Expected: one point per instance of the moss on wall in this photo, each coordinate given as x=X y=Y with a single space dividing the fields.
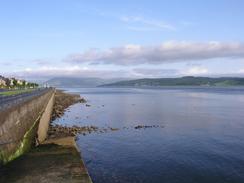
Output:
x=24 y=146
x=19 y=127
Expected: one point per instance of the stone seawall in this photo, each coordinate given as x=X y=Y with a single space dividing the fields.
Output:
x=19 y=124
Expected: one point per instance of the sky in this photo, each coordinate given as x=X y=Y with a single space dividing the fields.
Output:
x=122 y=38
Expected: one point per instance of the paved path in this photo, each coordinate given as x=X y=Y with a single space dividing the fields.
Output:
x=47 y=163
x=7 y=101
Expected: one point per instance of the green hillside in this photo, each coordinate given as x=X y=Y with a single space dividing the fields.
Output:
x=183 y=81
x=72 y=82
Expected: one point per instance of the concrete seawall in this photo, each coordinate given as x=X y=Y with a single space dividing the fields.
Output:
x=53 y=160
x=45 y=120
x=19 y=124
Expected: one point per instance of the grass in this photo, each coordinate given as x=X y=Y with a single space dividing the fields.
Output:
x=15 y=92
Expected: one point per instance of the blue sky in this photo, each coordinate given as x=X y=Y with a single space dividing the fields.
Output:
x=126 y=38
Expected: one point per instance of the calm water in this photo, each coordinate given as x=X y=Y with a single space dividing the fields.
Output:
x=202 y=139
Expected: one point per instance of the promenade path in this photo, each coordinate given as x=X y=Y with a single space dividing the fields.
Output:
x=8 y=101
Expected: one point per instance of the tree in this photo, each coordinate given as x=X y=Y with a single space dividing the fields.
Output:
x=7 y=81
x=15 y=82
x=24 y=84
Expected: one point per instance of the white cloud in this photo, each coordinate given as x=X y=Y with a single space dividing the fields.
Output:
x=143 y=24
x=142 y=28
x=134 y=72
x=187 y=23
x=196 y=71
x=167 y=52
x=69 y=71
x=76 y=71
x=144 y=72
x=241 y=71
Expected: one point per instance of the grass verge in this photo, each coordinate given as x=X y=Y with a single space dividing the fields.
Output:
x=15 y=92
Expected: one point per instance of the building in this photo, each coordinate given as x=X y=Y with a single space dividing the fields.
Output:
x=2 y=81
x=20 y=82
x=11 y=81
x=14 y=83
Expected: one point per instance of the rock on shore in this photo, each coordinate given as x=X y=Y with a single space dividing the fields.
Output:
x=63 y=101
x=57 y=131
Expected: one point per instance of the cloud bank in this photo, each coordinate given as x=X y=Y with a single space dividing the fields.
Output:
x=167 y=52
x=138 y=61
x=140 y=72
x=69 y=71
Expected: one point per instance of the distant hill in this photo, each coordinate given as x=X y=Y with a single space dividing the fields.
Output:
x=72 y=82
x=183 y=81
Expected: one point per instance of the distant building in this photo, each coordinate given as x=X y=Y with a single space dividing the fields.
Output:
x=20 y=82
x=11 y=81
x=2 y=81
x=15 y=83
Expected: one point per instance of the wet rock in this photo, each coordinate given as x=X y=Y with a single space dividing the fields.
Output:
x=62 y=131
x=114 y=129
x=143 y=126
x=82 y=100
x=63 y=101
x=148 y=126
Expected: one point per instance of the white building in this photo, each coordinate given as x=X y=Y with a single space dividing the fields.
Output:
x=2 y=82
x=11 y=81
x=19 y=82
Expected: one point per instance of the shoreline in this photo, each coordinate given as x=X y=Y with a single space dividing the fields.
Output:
x=62 y=102
x=55 y=159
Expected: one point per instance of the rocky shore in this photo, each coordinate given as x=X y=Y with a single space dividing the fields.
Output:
x=64 y=100
x=58 y=131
